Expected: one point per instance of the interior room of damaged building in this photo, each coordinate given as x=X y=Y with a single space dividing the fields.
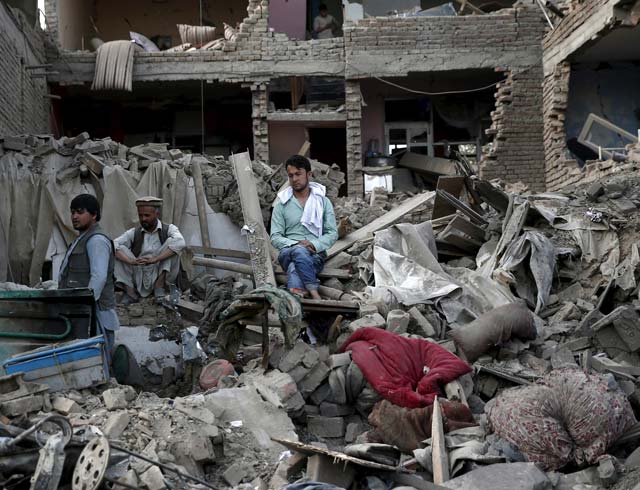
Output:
x=474 y=332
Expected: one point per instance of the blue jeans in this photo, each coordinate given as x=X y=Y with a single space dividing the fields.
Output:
x=301 y=267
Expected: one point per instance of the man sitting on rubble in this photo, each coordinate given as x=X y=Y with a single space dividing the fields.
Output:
x=148 y=255
x=303 y=228
x=89 y=263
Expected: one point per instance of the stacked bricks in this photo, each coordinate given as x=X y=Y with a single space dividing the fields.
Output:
x=561 y=170
x=353 y=106
x=518 y=150
x=24 y=108
x=259 y=102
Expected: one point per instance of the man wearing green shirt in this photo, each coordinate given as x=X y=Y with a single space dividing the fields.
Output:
x=303 y=228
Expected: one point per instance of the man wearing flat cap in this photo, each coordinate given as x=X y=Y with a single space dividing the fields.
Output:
x=147 y=256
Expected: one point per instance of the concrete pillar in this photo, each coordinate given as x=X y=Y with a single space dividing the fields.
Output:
x=259 y=104
x=353 y=106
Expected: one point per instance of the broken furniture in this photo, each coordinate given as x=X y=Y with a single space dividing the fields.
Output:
x=34 y=318
x=73 y=365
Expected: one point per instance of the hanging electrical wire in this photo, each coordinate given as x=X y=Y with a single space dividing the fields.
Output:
x=422 y=92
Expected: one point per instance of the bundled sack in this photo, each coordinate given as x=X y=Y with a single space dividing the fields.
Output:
x=566 y=417
x=196 y=35
x=407 y=428
x=407 y=372
x=493 y=329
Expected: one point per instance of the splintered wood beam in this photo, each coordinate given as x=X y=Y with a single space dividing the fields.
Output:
x=439 y=456
x=259 y=241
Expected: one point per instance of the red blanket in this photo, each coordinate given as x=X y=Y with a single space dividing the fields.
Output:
x=395 y=366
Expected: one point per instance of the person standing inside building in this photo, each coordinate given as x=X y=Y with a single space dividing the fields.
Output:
x=148 y=255
x=89 y=263
x=303 y=228
x=324 y=23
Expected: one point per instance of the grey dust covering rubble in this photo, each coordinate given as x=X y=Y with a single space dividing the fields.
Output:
x=473 y=335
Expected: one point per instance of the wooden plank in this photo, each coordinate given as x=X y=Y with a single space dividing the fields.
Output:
x=220 y=252
x=453 y=185
x=439 y=455
x=259 y=242
x=384 y=221
x=196 y=173
x=246 y=269
x=461 y=242
x=493 y=196
x=466 y=227
x=462 y=207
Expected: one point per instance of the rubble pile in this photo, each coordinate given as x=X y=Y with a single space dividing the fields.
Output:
x=486 y=338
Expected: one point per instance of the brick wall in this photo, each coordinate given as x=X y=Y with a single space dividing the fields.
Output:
x=385 y=46
x=254 y=56
x=353 y=107
x=24 y=109
x=259 y=102
x=518 y=151
x=585 y=18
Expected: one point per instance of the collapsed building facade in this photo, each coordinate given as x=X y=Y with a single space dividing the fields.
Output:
x=386 y=83
x=458 y=296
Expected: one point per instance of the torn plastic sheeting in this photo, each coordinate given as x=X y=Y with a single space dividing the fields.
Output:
x=405 y=263
x=542 y=262
x=596 y=245
x=625 y=272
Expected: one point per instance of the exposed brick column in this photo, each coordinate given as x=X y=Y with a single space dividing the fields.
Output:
x=560 y=168
x=51 y=14
x=259 y=104
x=353 y=106
x=518 y=150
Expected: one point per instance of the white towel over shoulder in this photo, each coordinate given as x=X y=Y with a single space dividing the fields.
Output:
x=313 y=209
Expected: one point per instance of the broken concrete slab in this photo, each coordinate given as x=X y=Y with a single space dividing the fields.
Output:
x=65 y=406
x=301 y=354
x=502 y=476
x=262 y=418
x=423 y=326
x=322 y=468
x=326 y=426
x=278 y=388
x=376 y=320
x=313 y=379
x=21 y=406
x=398 y=321
x=116 y=424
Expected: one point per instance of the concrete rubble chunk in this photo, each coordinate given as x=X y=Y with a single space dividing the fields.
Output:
x=332 y=410
x=376 y=320
x=115 y=399
x=21 y=406
x=323 y=468
x=260 y=417
x=502 y=476
x=301 y=353
x=353 y=430
x=398 y=321
x=423 y=326
x=330 y=427
x=66 y=406
x=235 y=473
x=339 y=360
x=153 y=479
x=313 y=379
x=194 y=407
x=279 y=389
x=116 y=424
